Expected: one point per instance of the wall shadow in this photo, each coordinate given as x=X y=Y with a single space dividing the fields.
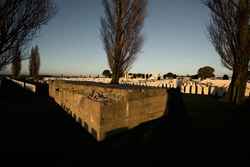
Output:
x=35 y=122
x=219 y=92
x=42 y=89
x=176 y=115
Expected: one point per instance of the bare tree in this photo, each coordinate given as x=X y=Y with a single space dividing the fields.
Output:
x=16 y=64
x=121 y=33
x=34 y=65
x=229 y=32
x=20 y=21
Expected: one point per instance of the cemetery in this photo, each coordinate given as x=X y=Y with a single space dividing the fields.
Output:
x=80 y=87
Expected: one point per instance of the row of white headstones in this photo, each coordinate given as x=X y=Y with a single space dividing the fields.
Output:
x=193 y=87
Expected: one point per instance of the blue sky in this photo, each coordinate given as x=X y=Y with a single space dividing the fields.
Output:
x=175 y=39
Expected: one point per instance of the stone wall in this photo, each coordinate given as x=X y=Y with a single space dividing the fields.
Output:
x=25 y=85
x=105 y=109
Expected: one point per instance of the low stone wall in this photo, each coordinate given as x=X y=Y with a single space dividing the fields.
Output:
x=25 y=85
x=105 y=109
x=39 y=88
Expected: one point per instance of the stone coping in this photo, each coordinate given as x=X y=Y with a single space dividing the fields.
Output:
x=105 y=85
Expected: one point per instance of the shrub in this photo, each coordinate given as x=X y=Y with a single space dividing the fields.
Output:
x=225 y=77
x=106 y=73
x=195 y=76
x=206 y=72
x=170 y=75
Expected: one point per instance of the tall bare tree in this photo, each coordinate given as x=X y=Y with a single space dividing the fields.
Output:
x=229 y=32
x=34 y=65
x=20 y=21
x=121 y=33
x=16 y=64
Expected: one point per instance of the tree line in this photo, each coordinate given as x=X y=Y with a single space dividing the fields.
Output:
x=202 y=73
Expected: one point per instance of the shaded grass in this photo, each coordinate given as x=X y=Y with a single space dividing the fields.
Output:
x=212 y=112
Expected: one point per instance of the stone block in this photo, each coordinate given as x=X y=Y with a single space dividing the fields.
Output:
x=105 y=109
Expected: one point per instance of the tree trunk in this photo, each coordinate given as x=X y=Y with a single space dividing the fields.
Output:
x=237 y=88
x=115 y=77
